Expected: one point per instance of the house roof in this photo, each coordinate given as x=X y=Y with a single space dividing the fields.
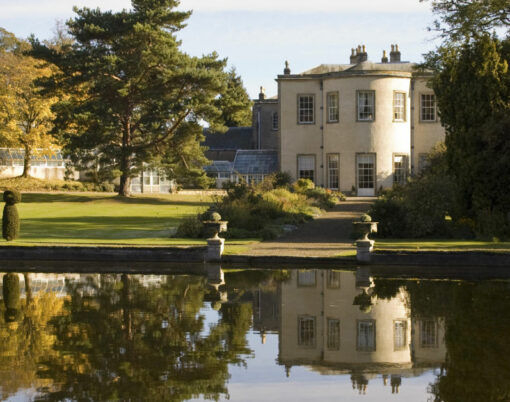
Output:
x=255 y=161
x=234 y=138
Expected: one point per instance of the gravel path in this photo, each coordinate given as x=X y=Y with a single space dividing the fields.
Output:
x=325 y=236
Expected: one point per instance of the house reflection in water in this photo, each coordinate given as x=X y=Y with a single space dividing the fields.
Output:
x=322 y=329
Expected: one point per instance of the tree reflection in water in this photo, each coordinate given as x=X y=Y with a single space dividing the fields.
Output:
x=121 y=340
x=24 y=336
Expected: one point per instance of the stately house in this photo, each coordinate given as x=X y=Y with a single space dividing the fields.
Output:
x=356 y=127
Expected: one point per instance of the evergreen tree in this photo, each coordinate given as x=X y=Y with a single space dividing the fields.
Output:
x=132 y=90
x=472 y=87
x=234 y=102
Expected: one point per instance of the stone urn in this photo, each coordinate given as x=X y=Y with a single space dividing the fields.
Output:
x=214 y=225
x=364 y=227
x=364 y=246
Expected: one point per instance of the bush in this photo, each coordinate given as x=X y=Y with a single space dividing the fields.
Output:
x=323 y=198
x=10 y=217
x=190 y=227
x=302 y=185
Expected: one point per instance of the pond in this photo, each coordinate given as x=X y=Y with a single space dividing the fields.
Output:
x=253 y=335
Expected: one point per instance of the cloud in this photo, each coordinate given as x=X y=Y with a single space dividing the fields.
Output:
x=55 y=8
x=59 y=8
x=371 y=6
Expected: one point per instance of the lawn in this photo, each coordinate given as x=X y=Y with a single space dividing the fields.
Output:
x=98 y=218
x=440 y=245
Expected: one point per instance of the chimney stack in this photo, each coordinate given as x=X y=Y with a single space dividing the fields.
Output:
x=363 y=56
x=358 y=55
x=353 y=59
x=394 y=54
x=262 y=93
x=384 y=58
x=286 y=70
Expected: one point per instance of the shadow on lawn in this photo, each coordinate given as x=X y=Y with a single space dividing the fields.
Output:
x=97 y=227
x=139 y=200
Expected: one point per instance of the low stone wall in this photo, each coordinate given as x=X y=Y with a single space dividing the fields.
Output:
x=114 y=254
x=443 y=258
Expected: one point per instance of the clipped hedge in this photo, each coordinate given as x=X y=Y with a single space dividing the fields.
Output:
x=10 y=217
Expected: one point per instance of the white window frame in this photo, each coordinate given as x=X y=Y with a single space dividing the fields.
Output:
x=399 y=334
x=400 y=173
x=428 y=334
x=428 y=108
x=333 y=339
x=332 y=170
x=307 y=331
x=306 y=163
x=332 y=101
x=366 y=341
x=306 y=109
x=365 y=105
x=399 y=106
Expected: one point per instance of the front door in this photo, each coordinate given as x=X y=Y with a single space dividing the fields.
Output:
x=366 y=175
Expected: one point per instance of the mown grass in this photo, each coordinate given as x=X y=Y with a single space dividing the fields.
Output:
x=441 y=245
x=98 y=218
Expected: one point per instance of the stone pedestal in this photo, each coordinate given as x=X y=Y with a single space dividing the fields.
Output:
x=215 y=247
x=364 y=250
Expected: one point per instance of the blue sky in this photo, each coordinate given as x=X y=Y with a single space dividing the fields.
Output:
x=257 y=36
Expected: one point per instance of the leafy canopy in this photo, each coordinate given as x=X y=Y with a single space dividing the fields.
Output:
x=25 y=113
x=134 y=93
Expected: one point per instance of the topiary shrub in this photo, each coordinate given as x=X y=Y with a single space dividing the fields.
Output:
x=11 y=294
x=10 y=218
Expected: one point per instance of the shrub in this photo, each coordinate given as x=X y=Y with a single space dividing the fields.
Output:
x=418 y=209
x=190 y=227
x=302 y=185
x=323 y=198
x=10 y=217
x=282 y=179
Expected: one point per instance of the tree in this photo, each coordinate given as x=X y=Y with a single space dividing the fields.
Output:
x=133 y=90
x=460 y=19
x=25 y=113
x=234 y=102
x=472 y=86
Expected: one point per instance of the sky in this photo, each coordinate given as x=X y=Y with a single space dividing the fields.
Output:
x=258 y=36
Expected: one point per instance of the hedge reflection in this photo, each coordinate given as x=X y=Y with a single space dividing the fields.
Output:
x=476 y=317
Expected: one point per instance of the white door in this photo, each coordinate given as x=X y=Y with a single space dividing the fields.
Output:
x=366 y=175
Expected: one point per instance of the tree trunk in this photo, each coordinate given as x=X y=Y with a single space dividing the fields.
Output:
x=26 y=162
x=125 y=182
x=125 y=160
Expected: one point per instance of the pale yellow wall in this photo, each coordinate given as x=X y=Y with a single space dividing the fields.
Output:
x=426 y=134
x=383 y=136
x=323 y=303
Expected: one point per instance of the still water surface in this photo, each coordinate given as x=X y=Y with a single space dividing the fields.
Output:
x=255 y=335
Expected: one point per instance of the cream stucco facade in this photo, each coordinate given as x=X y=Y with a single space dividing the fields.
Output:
x=357 y=126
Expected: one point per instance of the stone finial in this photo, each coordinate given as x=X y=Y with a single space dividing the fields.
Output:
x=286 y=70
